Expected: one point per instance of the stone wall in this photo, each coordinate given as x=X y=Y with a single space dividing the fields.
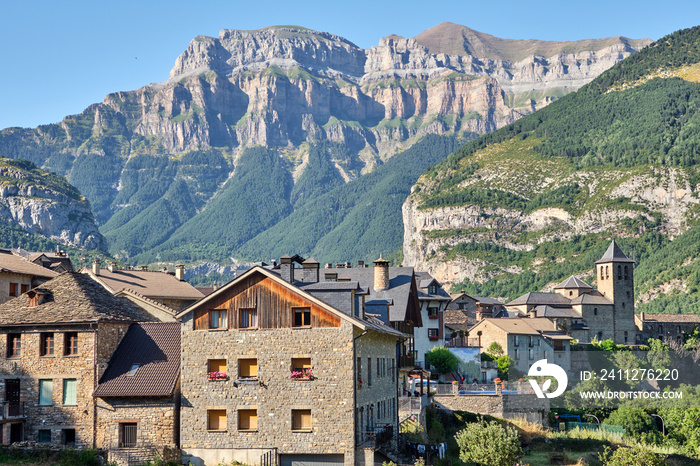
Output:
x=504 y=406
x=274 y=395
x=30 y=368
x=6 y=279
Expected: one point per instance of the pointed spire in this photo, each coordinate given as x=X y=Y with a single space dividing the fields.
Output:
x=614 y=254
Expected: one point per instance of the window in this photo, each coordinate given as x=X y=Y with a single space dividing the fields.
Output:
x=661 y=329
x=600 y=336
x=369 y=372
x=216 y=369
x=24 y=288
x=14 y=345
x=127 y=434
x=302 y=365
x=619 y=272
x=132 y=371
x=44 y=436
x=301 y=419
x=516 y=340
x=678 y=329
x=433 y=312
x=247 y=368
x=595 y=311
x=70 y=344
x=68 y=437
x=379 y=367
x=625 y=336
x=432 y=289
x=216 y=419
x=247 y=419
x=45 y=392
x=531 y=341
x=607 y=272
x=46 y=344
x=218 y=318
x=531 y=354
x=248 y=318
x=601 y=273
x=70 y=392
x=516 y=353
x=359 y=370
x=13 y=289
x=626 y=273
x=432 y=334
x=302 y=317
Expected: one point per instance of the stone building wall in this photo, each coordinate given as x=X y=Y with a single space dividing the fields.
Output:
x=6 y=279
x=504 y=406
x=30 y=368
x=274 y=395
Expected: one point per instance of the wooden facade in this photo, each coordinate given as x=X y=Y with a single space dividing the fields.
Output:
x=275 y=305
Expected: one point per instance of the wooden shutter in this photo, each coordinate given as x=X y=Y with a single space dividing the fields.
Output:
x=201 y=319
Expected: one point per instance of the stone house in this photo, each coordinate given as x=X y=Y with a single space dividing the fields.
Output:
x=526 y=340
x=666 y=327
x=585 y=313
x=433 y=300
x=18 y=275
x=463 y=312
x=55 y=340
x=138 y=396
x=57 y=261
x=163 y=287
x=271 y=371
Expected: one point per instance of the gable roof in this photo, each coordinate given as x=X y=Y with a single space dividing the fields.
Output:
x=51 y=260
x=548 y=311
x=521 y=326
x=12 y=263
x=71 y=298
x=424 y=280
x=362 y=324
x=147 y=283
x=155 y=347
x=573 y=283
x=593 y=297
x=614 y=254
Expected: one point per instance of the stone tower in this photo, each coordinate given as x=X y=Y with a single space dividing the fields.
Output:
x=615 y=276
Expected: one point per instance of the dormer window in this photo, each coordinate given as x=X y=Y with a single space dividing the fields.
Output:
x=432 y=289
x=132 y=371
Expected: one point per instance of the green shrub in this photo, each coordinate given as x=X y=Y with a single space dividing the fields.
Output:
x=490 y=444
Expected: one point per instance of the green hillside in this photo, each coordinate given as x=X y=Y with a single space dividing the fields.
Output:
x=620 y=158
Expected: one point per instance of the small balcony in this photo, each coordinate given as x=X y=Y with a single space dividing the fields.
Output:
x=9 y=410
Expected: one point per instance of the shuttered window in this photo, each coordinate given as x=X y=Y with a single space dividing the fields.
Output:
x=247 y=368
x=70 y=392
x=216 y=419
x=248 y=419
x=45 y=392
x=301 y=419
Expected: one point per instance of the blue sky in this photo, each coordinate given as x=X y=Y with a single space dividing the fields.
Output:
x=59 y=57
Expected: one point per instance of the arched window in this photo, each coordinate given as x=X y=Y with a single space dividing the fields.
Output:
x=595 y=311
x=607 y=272
x=626 y=273
x=601 y=273
x=619 y=272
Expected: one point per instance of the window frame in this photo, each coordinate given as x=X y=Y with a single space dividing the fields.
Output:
x=39 y=435
x=221 y=321
x=433 y=334
x=240 y=367
x=14 y=345
x=213 y=364
x=249 y=312
x=123 y=434
x=218 y=413
x=70 y=344
x=249 y=414
x=66 y=400
x=47 y=350
x=305 y=311
x=43 y=383
x=298 y=418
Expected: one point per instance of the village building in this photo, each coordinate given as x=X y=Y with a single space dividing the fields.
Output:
x=525 y=341
x=166 y=288
x=464 y=311
x=57 y=261
x=138 y=396
x=666 y=327
x=18 y=275
x=587 y=314
x=271 y=373
x=433 y=300
x=56 y=339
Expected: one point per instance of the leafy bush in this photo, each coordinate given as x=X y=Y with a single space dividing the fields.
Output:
x=490 y=444
x=442 y=360
x=638 y=424
x=635 y=456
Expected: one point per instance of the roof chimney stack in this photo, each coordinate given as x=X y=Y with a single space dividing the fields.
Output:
x=287 y=269
x=111 y=266
x=381 y=274
x=310 y=273
x=96 y=267
x=180 y=272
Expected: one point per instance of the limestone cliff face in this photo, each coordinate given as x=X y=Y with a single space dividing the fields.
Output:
x=26 y=201
x=282 y=86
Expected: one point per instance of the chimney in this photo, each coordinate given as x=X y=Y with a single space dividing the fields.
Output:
x=96 y=267
x=111 y=266
x=287 y=268
x=360 y=264
x=180 y=272
x=329 y=265
x=381 y=274
x=142 y=268
x=348 y=265
x=310 y=273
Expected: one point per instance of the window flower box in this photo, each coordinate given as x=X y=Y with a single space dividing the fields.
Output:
x=302 y=374
x=433 y=337
x=433 y=316
x=217 y=376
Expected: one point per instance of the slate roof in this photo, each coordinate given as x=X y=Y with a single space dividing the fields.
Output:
x=155 y=346
x=573 y=283
x=670 y=318
x=147 y=283
x=540 y=298
x=399 y=291
x=548 y=311
x=329 y=285
x=51 y=260
x=12 y=263
x=522 y=326
x=424 y=280
x=71 y=298
x=487 y=301
x=614 y=254
x=593 y=297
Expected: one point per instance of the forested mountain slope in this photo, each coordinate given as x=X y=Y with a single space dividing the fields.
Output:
x=523 y=207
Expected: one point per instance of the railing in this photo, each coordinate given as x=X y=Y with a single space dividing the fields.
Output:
x=11 y=409
x=412 y=404
x=269 y=458
x=445 y=388
x=407 y=361
x=462 y=342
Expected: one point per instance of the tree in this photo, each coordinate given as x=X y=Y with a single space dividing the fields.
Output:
x=491 y=444
x=495 y=350
x=442 y=360
x=638 y=424
x=503 y=364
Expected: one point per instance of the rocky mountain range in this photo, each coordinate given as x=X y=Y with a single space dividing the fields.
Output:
x=523 y=207
x=173 y=160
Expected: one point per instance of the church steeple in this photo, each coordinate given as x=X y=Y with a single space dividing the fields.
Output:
x=615 y=277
